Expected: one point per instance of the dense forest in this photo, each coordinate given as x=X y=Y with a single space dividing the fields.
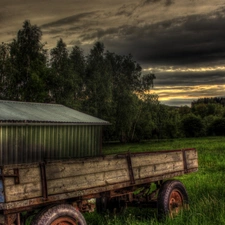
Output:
x=102 y=84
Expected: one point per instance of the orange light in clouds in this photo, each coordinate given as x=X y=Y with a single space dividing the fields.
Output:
x=188 y=92
x=172 y=69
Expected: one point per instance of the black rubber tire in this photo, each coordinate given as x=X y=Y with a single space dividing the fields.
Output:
x=172 y=198
x=49 y=215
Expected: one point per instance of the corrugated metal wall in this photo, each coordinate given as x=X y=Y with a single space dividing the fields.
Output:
x=33 y=143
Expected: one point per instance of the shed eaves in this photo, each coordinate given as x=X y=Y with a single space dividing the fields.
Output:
x=13 y=111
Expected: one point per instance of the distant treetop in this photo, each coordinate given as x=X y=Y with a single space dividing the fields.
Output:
x=217 y=100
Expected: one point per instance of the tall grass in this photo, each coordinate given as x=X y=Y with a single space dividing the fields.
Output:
x=206 y=188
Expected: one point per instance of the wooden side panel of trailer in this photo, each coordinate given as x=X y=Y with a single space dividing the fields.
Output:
x=65 y=177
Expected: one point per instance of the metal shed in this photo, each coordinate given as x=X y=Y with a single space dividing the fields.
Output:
x=33 y=132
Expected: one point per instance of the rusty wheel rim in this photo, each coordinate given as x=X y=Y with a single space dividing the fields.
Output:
x=65 y=221
x=175 y=202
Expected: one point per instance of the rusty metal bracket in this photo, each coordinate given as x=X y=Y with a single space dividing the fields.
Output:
x=184 y=161
x=43 y=181
x=15 y=175
x=129 y=163
x=130 y=168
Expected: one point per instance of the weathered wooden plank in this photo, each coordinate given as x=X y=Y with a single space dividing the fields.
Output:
x=23 y=191
x=191 y=154
x=87 y=181
x=26 y=175
x=157 y=158
x=192 y=163
x=64 y=169
x=20 y=166
x=29 y=182
x=157 y=169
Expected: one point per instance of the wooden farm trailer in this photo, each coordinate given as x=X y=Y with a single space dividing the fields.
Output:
x=57 y=190
x=62 y=187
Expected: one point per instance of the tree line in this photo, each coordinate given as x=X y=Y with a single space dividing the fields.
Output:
x=103 y=84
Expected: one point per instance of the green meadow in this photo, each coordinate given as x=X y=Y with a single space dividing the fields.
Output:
x=205 y=188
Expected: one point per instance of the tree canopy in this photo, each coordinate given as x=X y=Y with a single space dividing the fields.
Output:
x=103 y=84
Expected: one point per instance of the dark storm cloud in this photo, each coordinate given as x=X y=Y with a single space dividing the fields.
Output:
x=99 y=34
x=166 y=2
x=190 y=78
x=129 y=9
x=126 y=10
x=69 y=20
x=186 y=40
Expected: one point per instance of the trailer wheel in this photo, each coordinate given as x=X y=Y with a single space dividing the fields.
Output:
x=59 y=214
x=172 y=198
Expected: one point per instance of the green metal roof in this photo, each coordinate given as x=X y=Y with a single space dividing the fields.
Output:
x=27 y=112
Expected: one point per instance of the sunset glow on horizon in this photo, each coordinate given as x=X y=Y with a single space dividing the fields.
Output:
x=172 y=69
x=187 y=93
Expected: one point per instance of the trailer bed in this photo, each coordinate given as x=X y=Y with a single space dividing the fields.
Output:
x=27 y=185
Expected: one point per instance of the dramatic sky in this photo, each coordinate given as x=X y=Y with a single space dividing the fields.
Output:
x=181 y=41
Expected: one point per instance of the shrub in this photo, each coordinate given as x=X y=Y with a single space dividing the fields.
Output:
x=218 y=126
x=192 y=126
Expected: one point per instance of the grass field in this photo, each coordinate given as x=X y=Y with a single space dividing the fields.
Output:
x=205 y=188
